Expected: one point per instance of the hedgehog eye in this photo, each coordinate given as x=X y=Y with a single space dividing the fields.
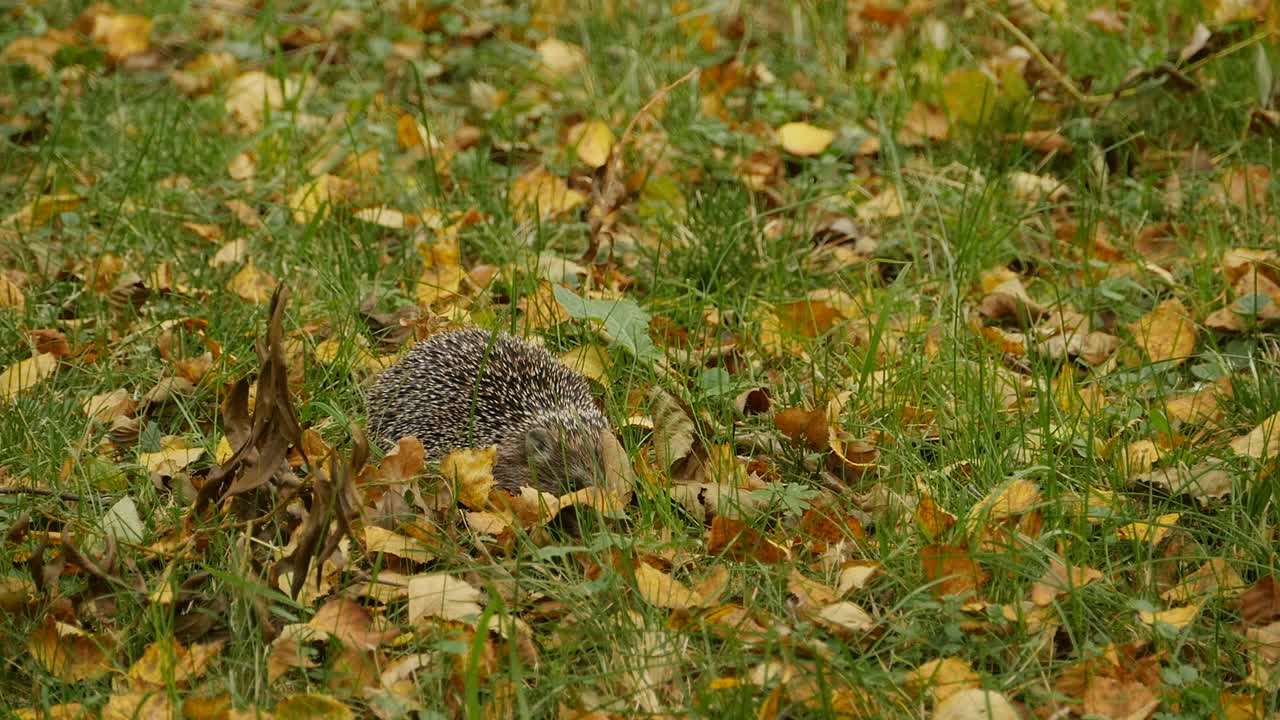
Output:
x=541 y=443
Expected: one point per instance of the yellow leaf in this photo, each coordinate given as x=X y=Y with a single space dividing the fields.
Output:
x=26 y=373
x=558 y=59
x=540 y=193
x=592 y=141
x=1166 y=333
x=11 y=295
x=661 y=590
x=844 y=617
x=970 y=96
x=313 y=199
x=888 y=204
x=442 y=271
x=803 y=139
x=472 y=472
x=1178 y=617
x=379 y=540
x=121 y=36
x=1151 y=533
x=1262 y=441
x=174 y=455
x=590 y=360
x=975 y=704
x=40 y=210
x=253 y=94
x=442 y=596
x=944 y=677
x=1011 y=498
x=252 y=284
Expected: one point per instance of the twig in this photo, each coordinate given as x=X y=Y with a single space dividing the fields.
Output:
x=608 y=192
x=69 y=497
x=1059 y=76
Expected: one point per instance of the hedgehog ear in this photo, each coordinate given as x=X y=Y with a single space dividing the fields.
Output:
x=541 y=443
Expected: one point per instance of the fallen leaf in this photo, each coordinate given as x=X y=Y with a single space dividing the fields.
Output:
x=106 y=407
x=540 y=194
x=11 y=295
x=951 y=570
x=803 y=139
x=559 y=59
x=1260 y=604
x=380 y=540
x=1261 y=442
x=69 y=653
x=442 y=596
x=252 y=284
x=661 y=590
x=734 y=539
x=844 y=618
x=174 y=455
x=943 y=677
x=471 y=471
x=1150 y=533
x=1060 y=579
x=25 y=374
x=592 y=141
x=975 y=704
x=121 y=36
x=1178 y=618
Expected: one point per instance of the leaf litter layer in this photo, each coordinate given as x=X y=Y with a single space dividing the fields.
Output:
x=939 y=340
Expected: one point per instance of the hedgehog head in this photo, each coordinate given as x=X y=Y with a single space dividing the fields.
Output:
x=553 y=454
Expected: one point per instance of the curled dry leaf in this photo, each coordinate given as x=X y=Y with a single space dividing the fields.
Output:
x=1260 y=604
x=251 y=95
x=471 y=472
x=312 y=201
x=119 y=36
x=674 y=434
x=844 y=618
x=1009 y=499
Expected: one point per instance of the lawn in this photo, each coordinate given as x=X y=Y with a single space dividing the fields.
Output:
x=939 y=338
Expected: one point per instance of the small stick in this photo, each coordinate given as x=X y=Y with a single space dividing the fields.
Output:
x=69 y=497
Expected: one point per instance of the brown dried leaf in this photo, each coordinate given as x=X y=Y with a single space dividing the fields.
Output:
x=951 y=571
x=1167 y=333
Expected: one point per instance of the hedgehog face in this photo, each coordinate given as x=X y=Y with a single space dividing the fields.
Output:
x=550 y=459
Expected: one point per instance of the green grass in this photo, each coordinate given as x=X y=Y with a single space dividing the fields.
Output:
x=698 y=241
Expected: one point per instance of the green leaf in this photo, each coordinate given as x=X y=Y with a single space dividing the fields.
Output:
x=625 y=322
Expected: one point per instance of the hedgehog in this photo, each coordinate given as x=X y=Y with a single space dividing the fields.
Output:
x=475 y=388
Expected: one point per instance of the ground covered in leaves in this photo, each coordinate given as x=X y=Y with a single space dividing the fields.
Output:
x=939 y=339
